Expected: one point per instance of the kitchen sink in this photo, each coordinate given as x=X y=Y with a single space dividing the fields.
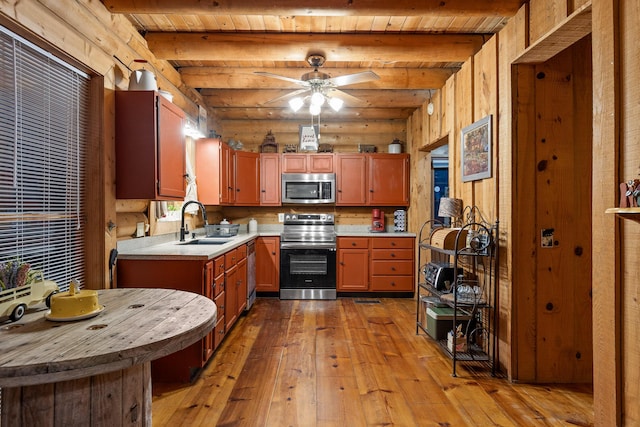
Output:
x=206 y=241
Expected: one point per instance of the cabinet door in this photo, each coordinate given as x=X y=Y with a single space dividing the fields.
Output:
x=351 y=187
x=171 y=150
x=241 y=287
x=231 y=296
x=208 y=170
x=268 y=264
x=388 y=179
x=270 y=180
x=227 y=186
x=320 y=163
x=353 y=274
x=247 y=178
x=294 y=163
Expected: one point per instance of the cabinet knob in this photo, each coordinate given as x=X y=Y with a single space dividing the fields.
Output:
x=339 y=191
x=341 y=263
x=353 y=243
x=393 y=243
x=393 y=269
x=371 y=190
x=393 y=255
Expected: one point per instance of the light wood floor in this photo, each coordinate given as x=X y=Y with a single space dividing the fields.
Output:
x=352 y=362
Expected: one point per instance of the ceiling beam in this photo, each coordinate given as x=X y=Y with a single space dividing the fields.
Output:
x=369 y=98
x=319 y=8
x=383 y=47
x=242 y=78
x=285 y=113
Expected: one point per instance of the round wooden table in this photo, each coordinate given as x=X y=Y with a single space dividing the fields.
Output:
x=96 y=371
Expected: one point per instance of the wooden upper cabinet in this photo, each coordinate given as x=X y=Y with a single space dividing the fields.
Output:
x=247 y=178
x=270 y=182
x=307 y=163
x=388 y=179
x=226 y=176
x=150 y=147
x=213 y=164
x=351 y=179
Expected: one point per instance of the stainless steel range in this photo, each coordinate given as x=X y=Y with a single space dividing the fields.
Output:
x=308 y=257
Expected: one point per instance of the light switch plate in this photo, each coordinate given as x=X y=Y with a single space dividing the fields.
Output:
x=140 y=229
x=281 y=217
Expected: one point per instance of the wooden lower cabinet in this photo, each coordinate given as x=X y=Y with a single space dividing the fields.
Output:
x=376 y=264
x=353 y=264
x=392 y=260
x=268 y=264
x=223 y=279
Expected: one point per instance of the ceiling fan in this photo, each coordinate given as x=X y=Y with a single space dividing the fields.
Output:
x=321 y=86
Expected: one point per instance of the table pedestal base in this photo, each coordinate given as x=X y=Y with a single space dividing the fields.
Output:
x=120 y=398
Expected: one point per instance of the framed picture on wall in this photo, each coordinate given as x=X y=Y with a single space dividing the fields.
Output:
x=476 y=150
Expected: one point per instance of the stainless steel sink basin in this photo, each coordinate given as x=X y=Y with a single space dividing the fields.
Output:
x=206 y=241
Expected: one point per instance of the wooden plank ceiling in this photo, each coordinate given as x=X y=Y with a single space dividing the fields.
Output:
x=217 y=46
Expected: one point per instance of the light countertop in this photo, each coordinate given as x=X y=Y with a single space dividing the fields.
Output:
x=168 y=247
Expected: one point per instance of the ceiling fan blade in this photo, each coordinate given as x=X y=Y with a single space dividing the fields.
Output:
x=350 y=79
x=277 y=76
x=287 y=96
x=347 y=98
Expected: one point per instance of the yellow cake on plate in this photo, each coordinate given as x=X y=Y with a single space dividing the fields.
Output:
x=75 y=303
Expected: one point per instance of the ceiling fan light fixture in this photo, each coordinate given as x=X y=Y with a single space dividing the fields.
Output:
x=314 y=109
x=296 y=104
x=336 y=104
x=317 y=99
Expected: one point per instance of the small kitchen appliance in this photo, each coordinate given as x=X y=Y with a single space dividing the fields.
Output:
x=377 y=220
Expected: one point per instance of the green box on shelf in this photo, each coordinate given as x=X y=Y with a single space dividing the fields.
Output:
x=440 y=321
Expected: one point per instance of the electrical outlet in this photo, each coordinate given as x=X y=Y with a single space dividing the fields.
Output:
x=281 y=217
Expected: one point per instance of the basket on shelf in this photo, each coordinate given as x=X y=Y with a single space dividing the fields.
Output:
x=222 y=230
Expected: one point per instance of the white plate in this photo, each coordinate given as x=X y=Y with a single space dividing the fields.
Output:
x=71 y=319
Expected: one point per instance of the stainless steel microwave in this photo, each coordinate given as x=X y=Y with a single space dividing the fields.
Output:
x=308 y=188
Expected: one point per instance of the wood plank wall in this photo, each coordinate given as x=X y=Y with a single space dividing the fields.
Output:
x=629 y=167
x=483 y=86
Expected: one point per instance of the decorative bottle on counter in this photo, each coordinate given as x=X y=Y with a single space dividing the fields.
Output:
x=253 y=226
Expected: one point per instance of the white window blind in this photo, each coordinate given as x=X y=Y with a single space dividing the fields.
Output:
x=44 y=110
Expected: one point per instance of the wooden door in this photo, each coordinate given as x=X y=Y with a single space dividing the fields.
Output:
x=247 y=178
x=270 y=181
x=351 y=179
x=388 y=179
x=268 y=264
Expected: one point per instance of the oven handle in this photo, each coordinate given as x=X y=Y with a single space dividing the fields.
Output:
x=299 y=245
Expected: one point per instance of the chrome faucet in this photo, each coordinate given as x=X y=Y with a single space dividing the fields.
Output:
x=183 y=232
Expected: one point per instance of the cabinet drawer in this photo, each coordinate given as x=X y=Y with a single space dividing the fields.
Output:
x=392 y=254
x=390 y=268
x=241 y=252
x=391 y=283
x=353 y=243
x=219 y=300
x=392 y=242
x=218 y=266
x=230 y=259
x=218 y=286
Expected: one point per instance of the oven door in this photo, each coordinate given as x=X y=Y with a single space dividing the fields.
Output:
x=308 y=273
